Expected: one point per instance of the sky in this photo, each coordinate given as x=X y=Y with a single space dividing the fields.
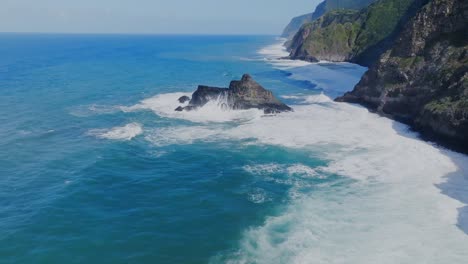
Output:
x=151 y=16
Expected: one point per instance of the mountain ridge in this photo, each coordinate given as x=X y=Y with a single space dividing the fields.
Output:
x=327 y=5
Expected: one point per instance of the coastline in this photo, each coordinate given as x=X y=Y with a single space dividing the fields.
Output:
x=424 y=134
x=453 y=184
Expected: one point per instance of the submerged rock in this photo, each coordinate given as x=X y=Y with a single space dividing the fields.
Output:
x=184 y=99
x=241 y=95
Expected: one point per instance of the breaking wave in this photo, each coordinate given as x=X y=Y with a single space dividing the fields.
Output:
x=126 y=132
x=214 y=111
x=390 y=210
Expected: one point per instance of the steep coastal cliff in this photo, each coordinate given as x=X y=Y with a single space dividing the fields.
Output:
x=327 y=5
x=423 y=79
x=417 y=51
x=296 y=23
x=355 y=36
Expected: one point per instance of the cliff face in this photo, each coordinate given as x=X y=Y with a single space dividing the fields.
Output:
x=423 y=79
x=327 y=5
x=297 y=22
x=355 y=36
x=331 y=37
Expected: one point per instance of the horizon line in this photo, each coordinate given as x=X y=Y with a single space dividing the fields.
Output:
x=138 y=33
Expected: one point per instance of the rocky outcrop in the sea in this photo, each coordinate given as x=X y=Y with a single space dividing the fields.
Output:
x=354 y=36
x=184 y=99
x=241 y=95
x=423 y=79
x=327 y=5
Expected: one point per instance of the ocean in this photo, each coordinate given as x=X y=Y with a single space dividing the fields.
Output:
x=97 y=167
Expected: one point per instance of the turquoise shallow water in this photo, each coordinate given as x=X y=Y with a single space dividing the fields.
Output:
x=90 y=172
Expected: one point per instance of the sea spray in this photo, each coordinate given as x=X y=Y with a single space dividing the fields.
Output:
x=126 y=132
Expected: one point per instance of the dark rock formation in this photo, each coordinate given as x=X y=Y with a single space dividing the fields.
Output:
x=243 y=94
x=184 y=99
x=423 y=79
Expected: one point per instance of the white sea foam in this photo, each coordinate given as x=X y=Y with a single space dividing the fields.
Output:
x=182 y=135
x=393 y=213
x=261 y=169
x=164 y=105
x=302 y=170
x=258 y=196
x=276 y=53
x=126 y=132
x=310 y=99
x=275 y=168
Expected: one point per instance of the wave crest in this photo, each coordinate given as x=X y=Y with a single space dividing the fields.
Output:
x=127 y=132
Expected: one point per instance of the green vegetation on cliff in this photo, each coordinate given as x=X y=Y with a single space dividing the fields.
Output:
x=423 y=78
x=333 y=36
x=348 y=35
x=326 y=6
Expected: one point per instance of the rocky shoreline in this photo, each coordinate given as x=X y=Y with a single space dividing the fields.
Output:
x=420 y=79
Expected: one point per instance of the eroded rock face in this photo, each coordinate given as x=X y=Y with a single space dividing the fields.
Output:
x=423 y=79
x=241 y=95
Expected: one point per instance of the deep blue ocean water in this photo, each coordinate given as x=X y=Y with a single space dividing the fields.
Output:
x=89 y=173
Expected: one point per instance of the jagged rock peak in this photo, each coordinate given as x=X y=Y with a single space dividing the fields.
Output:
x=242 y=94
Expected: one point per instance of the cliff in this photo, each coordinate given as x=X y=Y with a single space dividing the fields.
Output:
x=422 y=79
x=327 y=5
x=296 y=23
x=354 y=36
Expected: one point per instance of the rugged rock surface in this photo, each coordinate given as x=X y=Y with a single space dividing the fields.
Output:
x=423 y=79
x=354 y=36
x=327 y=5
x=243 y=94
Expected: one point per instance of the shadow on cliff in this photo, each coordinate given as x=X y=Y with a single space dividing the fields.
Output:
x=372 y=54
x=455 y=185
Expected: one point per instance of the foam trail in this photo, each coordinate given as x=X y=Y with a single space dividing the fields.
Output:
x=94 y=109
x=183 y=135
x=126 y=132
